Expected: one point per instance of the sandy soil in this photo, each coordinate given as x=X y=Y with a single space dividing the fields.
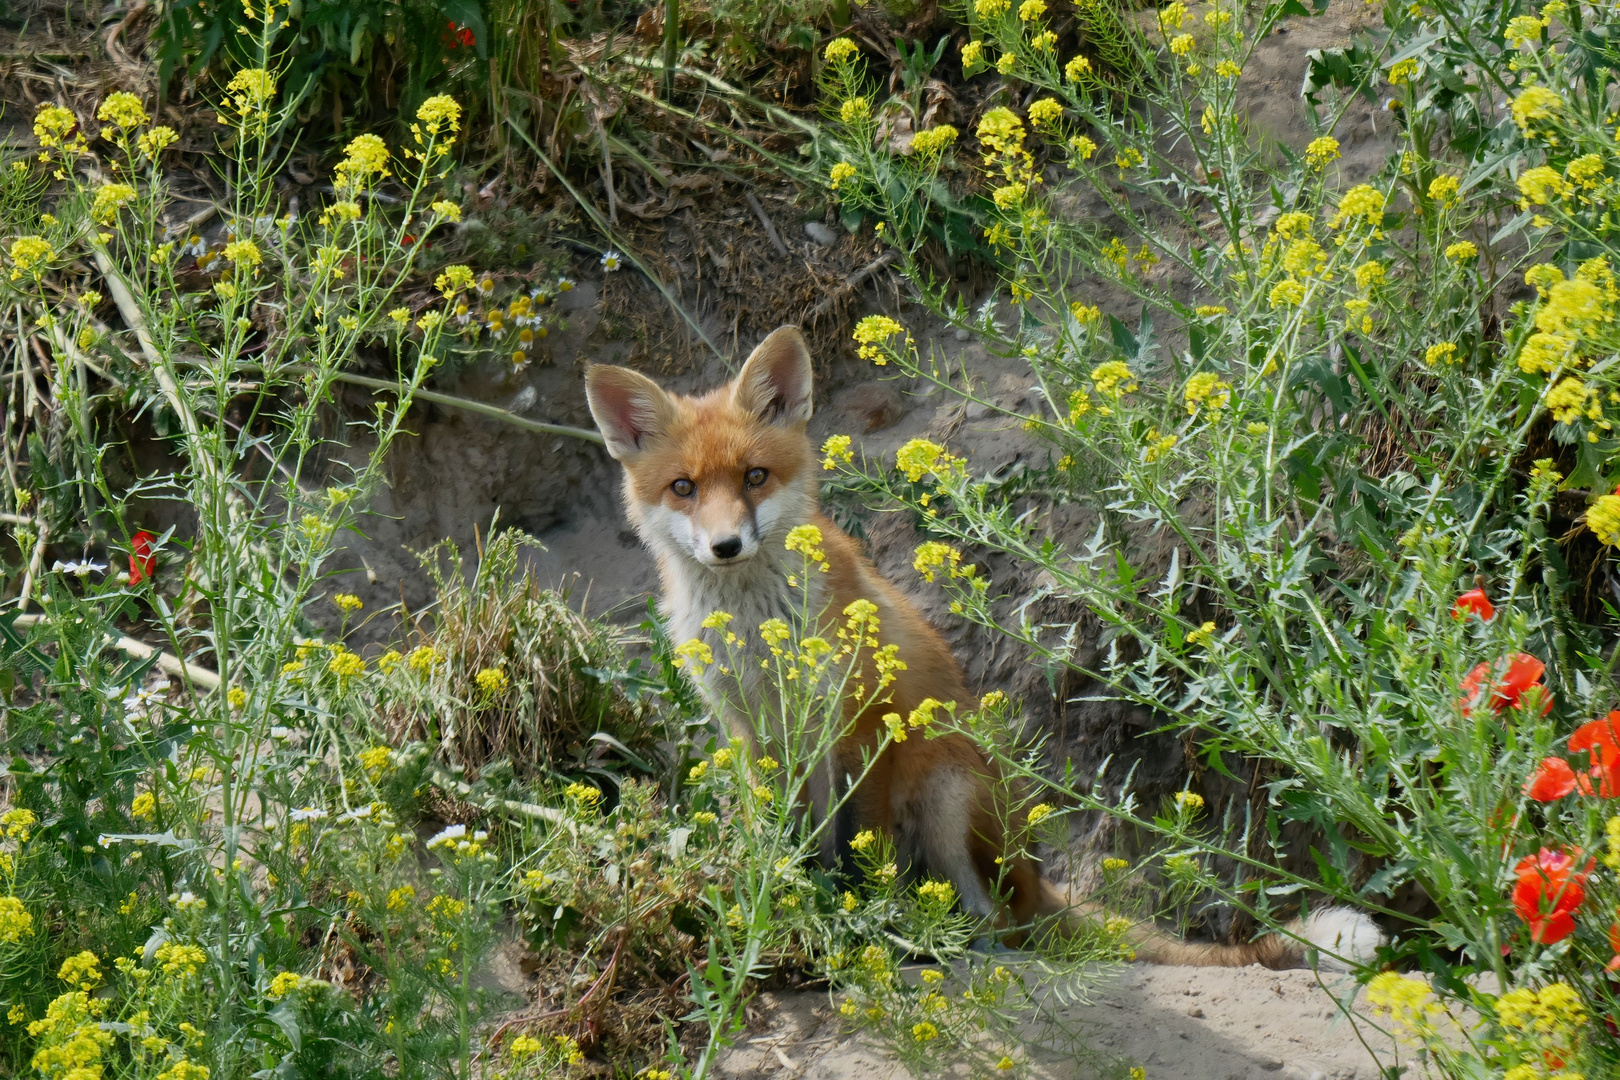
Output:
x=1176 y=1023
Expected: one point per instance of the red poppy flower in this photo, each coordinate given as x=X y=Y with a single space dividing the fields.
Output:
x=1600 y=739
x=1549 y=890
x=1614 y=946
x=459 y=36
x=407 y=239
x=1507 y=692
x=1473 y=601
x=142 y=563
x=1552 y=780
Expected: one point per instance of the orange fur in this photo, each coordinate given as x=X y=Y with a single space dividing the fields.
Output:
x=937 y=798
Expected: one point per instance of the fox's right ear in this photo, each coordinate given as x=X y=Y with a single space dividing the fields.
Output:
x=628 y=407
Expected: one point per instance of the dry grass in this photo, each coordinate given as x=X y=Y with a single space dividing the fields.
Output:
x=499 y=618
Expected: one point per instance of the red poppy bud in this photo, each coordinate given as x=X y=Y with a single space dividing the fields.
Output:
x=142 y=562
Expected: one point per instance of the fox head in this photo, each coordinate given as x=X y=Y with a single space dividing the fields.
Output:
x=714 y=479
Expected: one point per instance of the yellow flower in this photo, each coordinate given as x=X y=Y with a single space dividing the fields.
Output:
x=1463 y=251
x=941 y=893
x=1569 y=399
x=15 y=921
x=919 y=457
x=454 y=279
x=1226 y=69
x=440 y=113
x=836 y=451
x=1534 y=103
x=1030 y=10
x=1444 y=351
x=180 y=959
x=345 y=664
x=1444 y=190
x=866 y=837
x=1286 y=293
x=1362 y=202
x=1115 y=865
x=873 y=330
x=1190 y=801
x=110 y=198
x=989 y=9
x=924 y=1032
x=1155 y=445
x=348 y=602
x=1007 y=63
x=244 y=254
x=491 y=680
x=52 y=125
x=584 y=795
x=1045 y=112
x=424 y=658
x=1201 y=636
x=144 y=806
x=933 y=556
x=1541 y=185
x=972 y=56
x=1113 y=379
x=1075 y=68
x=842 y=171
x=855 y=110
x=1570 y=305
x=1322 y=151
x=122 y=109
x=694 y=654
x=839 y=50
x=366 y=158
x=446 y=209
x=1181 y=44
x=82 y=970
x=806 y=540
x=1524 y=31
x=1039 y=813
x=1173 y=16
x=1603 y=518
x=1403 y=71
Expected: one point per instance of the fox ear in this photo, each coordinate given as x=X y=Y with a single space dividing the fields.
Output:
x=774 y=384
x=628 y=407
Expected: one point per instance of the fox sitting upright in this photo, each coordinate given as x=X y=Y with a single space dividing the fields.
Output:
x=713 y=485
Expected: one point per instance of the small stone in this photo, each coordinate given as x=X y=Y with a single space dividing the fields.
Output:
x=977 y=410
x=961 y=334
x=1270 y=1064
x=820 y=233
x=1196 y=1012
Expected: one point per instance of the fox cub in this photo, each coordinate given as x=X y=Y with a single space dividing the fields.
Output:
x=713 y=485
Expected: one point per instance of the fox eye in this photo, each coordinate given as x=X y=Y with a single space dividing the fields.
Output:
x=755 y=476
x=683 y=487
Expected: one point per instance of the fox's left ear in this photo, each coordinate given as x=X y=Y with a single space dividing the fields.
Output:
x=774 y=384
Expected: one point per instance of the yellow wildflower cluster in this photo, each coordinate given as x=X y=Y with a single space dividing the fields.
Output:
x=932 y=557
x=365 y=160
x=1534 y=104
x=57 y=128
x=1206 y=390
x=1113 y=379
x=29 y=254
x=1361 y=204
x=1406 y=1002
x=836 y=451
x=491 y=680
x=871 y=332
x=934 y=140
x=921 y=457
x=1320 y=152
x=839 y=50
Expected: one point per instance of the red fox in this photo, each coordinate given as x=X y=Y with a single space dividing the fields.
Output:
x=713 y=485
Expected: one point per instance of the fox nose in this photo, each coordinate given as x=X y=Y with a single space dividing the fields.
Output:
x=727 y=548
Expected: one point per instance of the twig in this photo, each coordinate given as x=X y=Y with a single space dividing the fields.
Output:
x=169 y=663
x=765 y=220
x=854 y=281
x=494 y=412
x=463 y=790
x=35 y=562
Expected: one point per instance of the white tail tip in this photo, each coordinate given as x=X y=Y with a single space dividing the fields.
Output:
x=1344 y=937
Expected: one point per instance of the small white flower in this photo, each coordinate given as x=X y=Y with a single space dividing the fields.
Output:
x=308 y=813
x=356 y=814
x=480 y=836
x=611 y=261
x=448 y=835
x=281 y=734
x=77 y=568
x=104 y=840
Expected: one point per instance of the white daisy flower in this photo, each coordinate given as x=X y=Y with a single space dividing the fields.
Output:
x=611 y=261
